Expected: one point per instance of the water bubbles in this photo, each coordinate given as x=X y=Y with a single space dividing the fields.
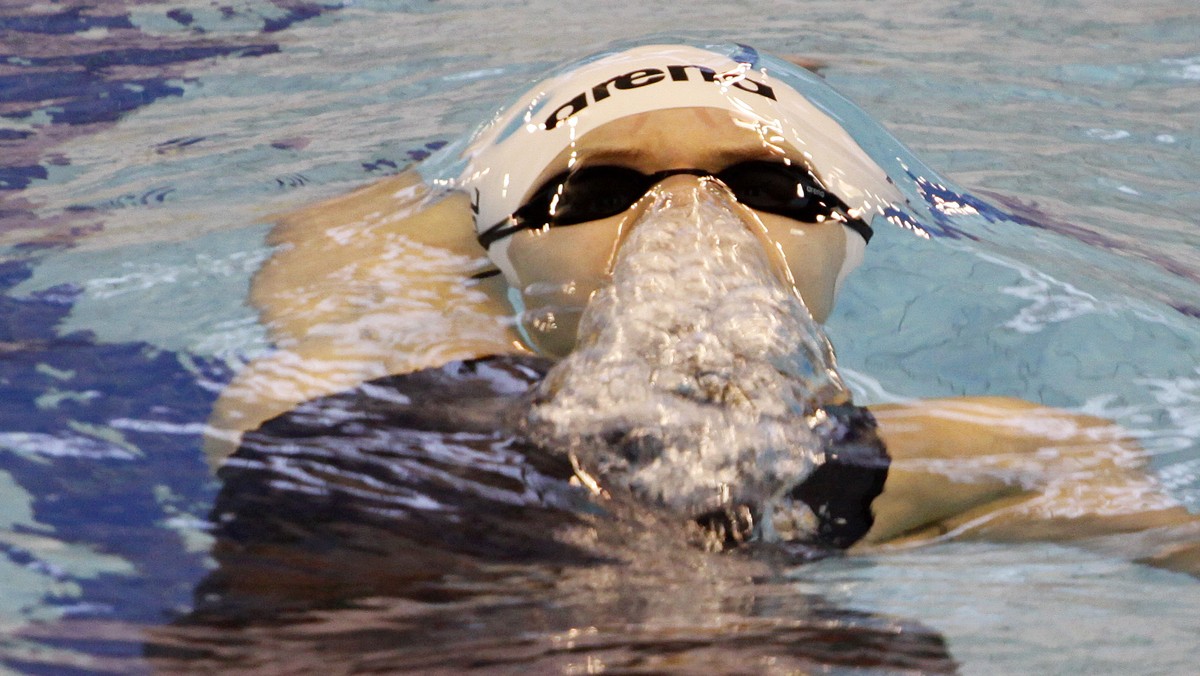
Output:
x=1108 y=134
x=699 y=373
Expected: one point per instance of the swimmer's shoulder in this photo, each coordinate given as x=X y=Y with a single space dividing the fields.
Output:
x=383 y=280
x=955 y=427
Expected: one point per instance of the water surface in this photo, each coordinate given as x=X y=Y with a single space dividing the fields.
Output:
x=144 y=144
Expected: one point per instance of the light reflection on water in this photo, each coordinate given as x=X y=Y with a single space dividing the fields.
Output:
x=374 y=535
x=620 y=621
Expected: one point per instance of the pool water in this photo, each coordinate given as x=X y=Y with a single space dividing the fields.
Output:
x=144 y=147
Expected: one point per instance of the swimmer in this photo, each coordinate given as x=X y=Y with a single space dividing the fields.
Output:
x=549 y=210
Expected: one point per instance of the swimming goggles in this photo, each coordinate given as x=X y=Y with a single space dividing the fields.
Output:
x=593 y=193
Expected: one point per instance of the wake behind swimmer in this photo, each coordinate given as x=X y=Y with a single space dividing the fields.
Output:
x=700 y=382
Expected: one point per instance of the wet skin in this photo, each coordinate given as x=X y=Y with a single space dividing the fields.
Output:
x=986 y=466
x=969 y=467
x=580 y=257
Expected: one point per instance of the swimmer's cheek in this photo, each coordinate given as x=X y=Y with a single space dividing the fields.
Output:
x=557 y=272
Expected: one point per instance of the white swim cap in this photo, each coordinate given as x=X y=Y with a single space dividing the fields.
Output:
x=515 y=148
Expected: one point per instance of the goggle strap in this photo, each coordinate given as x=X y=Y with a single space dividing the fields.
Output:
x=499 y=231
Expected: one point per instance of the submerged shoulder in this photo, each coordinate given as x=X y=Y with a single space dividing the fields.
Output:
x=384 y=280
x=1002 y=468
x=966 y=426
x=957 y=456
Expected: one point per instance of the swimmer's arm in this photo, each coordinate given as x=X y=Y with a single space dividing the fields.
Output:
x=1006 y=469
x=934 y=474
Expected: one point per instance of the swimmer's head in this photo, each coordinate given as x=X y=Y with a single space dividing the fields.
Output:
x=557 y=180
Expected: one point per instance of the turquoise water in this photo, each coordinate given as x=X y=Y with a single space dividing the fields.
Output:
x=131 y=232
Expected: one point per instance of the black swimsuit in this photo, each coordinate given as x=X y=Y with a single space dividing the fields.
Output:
x=430 y=455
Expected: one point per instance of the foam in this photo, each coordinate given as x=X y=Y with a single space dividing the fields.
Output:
x=699 y=371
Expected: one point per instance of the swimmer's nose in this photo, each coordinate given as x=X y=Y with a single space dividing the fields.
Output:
x=687 y=190
x=698 y=194
x=681 y=180
x=682 y=191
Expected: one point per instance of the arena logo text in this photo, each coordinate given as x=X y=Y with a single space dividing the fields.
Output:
x=644 y=77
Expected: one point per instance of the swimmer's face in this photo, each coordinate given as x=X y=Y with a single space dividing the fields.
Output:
x=558 y=268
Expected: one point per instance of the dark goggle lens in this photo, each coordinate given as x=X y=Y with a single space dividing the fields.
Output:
x=593 y=193
x=782 y=189
x=598 y=192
